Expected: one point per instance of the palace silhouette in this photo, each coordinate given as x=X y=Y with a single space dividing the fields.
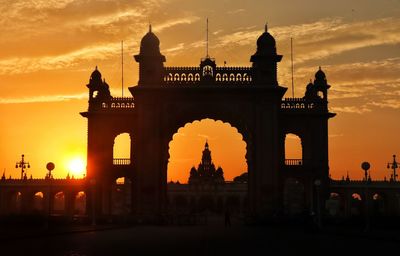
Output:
x=165 y=99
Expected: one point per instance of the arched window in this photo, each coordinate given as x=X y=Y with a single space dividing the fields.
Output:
x=59 y=202
x=176 y=77
x=122 y=148
x=38 y=201
x=208 y=71
x=293 y=150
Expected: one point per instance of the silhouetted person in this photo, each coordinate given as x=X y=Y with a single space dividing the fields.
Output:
x=227 y=218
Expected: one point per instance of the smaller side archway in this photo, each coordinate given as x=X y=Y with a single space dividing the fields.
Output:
x=293 y=149
x=122 y=149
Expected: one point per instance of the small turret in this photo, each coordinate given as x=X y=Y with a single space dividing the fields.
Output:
x=265 y=60
x=321 y=84
x=151 y=61
x=98 y=88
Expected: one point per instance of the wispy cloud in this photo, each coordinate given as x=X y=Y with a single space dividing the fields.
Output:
x=44 y=98
x=32 y=64
x=351 y=109
x=174 y=22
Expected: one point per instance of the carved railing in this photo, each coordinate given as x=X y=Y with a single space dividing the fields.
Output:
x=118 y=103
x=219 y=76
x=121 y=161
x=293 y=162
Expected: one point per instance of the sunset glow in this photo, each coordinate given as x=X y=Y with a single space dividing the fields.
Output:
x=77 y=167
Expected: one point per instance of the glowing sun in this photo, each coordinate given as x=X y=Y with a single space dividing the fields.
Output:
x=77 y=166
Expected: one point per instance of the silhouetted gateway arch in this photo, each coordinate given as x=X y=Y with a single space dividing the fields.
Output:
x=166 y=98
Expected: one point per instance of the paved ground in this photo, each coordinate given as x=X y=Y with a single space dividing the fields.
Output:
x=211 y=239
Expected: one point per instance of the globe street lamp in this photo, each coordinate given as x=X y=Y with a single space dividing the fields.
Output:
x=317 y=184
x=394 y=165
x=365 y=166
x=50 y=167
x=23 y=165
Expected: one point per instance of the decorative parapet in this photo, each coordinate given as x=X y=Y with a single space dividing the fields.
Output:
x=218 y=75
x=302 y=104
x=41 y=182
x=118 y=103
x=361 y=184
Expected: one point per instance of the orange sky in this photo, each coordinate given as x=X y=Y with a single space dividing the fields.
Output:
x=50 y=47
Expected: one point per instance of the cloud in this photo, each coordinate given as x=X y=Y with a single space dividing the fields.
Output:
x=44 y=98
x=236 y=11
x=351 y=109
x=23 y=65
x=173 y=22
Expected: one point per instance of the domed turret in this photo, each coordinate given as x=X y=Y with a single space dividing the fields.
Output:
x=320 y=75
x=151 y=61
x=96 y=75
x=150 y=44
x=265 y=60
x=266 y=44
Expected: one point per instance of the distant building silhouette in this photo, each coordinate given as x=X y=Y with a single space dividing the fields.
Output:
x=206 y=172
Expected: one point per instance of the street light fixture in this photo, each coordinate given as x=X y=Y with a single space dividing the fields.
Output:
x=393 y=165
x=23 y=165
x=50 y=167
x=365 y=166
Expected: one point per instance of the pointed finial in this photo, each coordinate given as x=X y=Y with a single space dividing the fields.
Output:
x=149 y=27
x=96 y=67
x=319 y=67
x=266 y=26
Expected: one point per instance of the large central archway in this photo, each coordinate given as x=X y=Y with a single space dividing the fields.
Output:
x=226 y=143
x=205 y=157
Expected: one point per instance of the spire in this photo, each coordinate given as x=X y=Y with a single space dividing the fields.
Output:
x=207 y=56
x=149 y=27
x=266 y=27
x=96 y=67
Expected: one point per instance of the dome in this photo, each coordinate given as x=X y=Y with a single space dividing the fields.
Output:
x=320 y=75
x=266 y=43
x=150 y=43
x=96 y=75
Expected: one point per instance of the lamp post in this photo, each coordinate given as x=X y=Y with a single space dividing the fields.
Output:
x=365 y=166
x=393 y=165
x=317 y=184
x=50 y=167
x=93 y=184
x=23 y=165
